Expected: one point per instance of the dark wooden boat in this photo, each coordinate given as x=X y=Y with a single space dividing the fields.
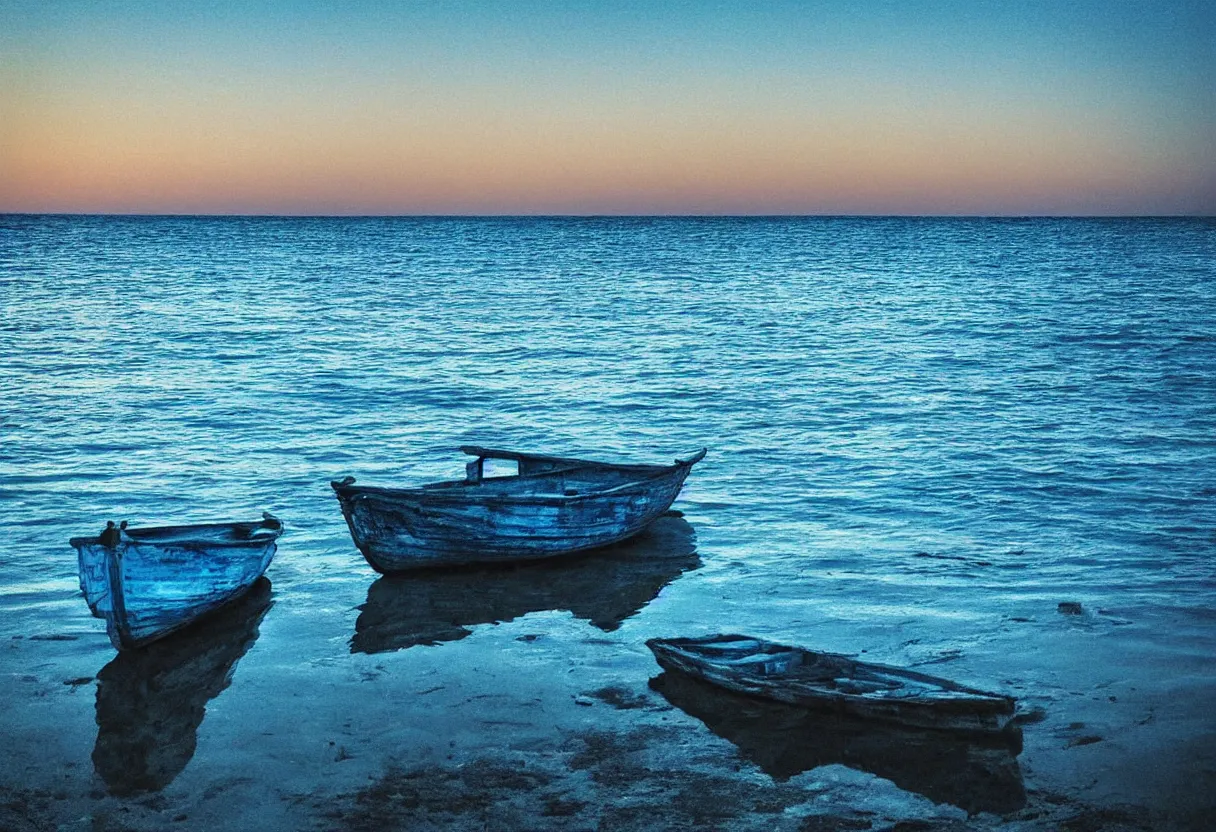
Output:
x=977 y=773
x=427 y=608
x=147 y=583
x=811 y=679
x=552 y=506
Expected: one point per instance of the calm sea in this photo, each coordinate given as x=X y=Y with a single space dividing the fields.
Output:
x=924 y=434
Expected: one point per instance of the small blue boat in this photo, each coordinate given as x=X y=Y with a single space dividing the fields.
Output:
x=147 y=583
x=551 y=506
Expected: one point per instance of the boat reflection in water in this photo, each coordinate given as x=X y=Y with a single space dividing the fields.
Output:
x=604 y=586
x=975 y=774
x=151 y=700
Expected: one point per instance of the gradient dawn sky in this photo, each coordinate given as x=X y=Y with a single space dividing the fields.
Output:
x=613 y=107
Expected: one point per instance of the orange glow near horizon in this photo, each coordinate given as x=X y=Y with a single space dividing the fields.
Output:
x=509 y=132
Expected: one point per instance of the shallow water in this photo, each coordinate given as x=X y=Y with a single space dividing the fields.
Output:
x=924 y=434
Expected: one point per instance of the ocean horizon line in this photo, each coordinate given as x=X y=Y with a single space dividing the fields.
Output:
x=622 y=216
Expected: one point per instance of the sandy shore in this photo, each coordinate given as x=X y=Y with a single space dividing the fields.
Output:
x=535 y=724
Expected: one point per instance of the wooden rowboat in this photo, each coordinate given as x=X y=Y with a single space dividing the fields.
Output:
x=977 y=773
x=552 y=506
x=147 y=583
x=810 y=679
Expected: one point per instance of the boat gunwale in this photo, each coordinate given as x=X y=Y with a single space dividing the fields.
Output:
x=135 y=536
x=434 y=496
x=462 y=490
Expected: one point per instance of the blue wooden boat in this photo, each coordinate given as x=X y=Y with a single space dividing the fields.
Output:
x=551 y=506
x=830 y=681
x=147 y=583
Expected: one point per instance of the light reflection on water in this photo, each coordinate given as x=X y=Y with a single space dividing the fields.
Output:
x=869 y=388
x=923 y=434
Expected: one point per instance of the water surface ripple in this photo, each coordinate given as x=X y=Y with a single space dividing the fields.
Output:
x=923 y=433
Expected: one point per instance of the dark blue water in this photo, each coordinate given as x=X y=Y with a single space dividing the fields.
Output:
x=923 y=433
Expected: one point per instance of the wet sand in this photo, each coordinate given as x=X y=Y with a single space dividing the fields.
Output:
x=546 y=722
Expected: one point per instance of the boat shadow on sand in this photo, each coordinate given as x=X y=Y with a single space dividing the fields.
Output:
x=604 y=586
x=151 y=700
x=974 y=773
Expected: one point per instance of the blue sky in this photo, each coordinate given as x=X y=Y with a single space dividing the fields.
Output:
x=586 y=108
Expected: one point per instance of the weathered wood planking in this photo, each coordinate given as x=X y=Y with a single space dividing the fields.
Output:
x=155 y=581
x=811 y=679
x=554 y=506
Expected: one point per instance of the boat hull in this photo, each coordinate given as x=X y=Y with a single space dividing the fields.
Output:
x=430 y=607
x=146 y=587
x=829 y=681
x=489 y=521
x=975 y=773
